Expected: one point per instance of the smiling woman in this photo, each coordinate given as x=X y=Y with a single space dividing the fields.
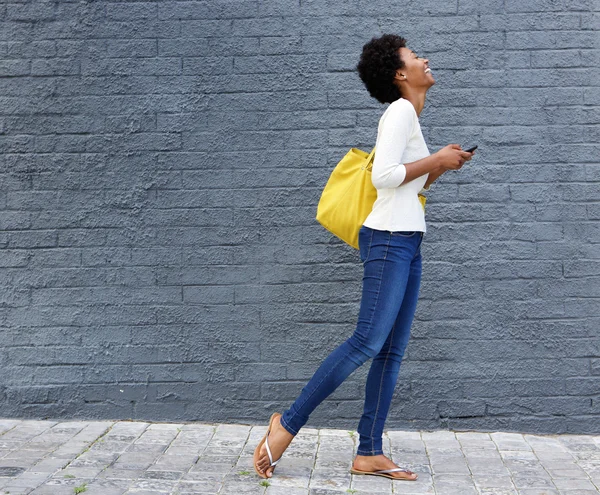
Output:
x=379 y=65
x=390 y=250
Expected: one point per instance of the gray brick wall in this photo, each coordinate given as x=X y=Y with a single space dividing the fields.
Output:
x=160 y=167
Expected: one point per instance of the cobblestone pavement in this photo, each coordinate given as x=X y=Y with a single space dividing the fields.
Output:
x=123 y=457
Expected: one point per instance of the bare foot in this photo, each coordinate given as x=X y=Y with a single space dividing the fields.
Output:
x=279 y=440
x=379 y=462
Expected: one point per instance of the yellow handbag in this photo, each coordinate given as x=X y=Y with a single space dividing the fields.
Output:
x=348 y=196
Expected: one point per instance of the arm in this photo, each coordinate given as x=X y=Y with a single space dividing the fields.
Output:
x=388 y=170
x=437 y=172
x=433 y=176
x=430 y=164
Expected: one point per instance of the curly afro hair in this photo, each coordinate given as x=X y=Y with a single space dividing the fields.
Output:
x=378 y=64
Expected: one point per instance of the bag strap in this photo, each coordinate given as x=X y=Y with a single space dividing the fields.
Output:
x=369 y=160
x=371 y=154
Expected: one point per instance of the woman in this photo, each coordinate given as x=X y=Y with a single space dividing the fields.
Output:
x=389 y=240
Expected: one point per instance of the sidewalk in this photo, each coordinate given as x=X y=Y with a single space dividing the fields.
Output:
x=122 y=457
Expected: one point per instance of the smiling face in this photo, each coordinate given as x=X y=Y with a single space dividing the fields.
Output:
x=416 y=72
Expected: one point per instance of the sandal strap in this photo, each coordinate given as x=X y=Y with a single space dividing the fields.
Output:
x=269 y=450
x=395 y=470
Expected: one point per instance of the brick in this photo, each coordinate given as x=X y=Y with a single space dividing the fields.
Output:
x=547 y=5
x=161 y=167
x=137 y=10
x=470 y=7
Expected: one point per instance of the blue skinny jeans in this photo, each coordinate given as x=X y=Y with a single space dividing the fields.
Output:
x=390 y=289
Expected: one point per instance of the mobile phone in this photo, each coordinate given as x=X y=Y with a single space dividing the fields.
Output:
x=470 y=150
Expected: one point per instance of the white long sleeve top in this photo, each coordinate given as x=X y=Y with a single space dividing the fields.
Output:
x=399 y=141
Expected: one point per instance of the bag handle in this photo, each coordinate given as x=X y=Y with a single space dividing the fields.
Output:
x=369 y=164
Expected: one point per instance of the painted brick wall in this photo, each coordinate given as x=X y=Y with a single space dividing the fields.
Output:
x=160 y=167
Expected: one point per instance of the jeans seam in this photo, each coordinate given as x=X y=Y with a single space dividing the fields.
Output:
x=387 y=248
x=380 y=387
x=370 y=243
x=375 y=452
x=287 y=426
x=419 y=246
x=322 y=379
x=376 y=300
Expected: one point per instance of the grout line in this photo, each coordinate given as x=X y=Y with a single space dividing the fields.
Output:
x=540 y=463
x=312 y=469
x=430 y=464
x=510 y=473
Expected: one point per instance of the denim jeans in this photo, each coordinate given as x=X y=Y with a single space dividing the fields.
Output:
x=390 y=289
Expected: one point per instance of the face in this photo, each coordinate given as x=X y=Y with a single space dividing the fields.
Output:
x=413 y=73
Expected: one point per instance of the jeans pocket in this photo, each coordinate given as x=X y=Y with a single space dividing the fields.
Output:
x=401 y=233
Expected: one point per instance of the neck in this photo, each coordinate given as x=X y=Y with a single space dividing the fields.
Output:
x=417 y=98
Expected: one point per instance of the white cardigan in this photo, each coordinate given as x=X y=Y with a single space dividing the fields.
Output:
x=399 y=141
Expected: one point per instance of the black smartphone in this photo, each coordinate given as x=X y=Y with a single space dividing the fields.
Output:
x=470 y=150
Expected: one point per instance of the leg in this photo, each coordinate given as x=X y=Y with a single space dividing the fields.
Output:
x=384 y=281
x=380 y=304
x=383 y=286
x=385 y=367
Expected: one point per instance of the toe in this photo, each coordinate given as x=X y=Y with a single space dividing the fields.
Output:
x=406 y=474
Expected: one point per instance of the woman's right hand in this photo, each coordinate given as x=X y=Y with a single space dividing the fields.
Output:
x=451 y=157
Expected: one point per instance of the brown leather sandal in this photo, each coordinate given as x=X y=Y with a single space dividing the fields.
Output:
x=265 y=440
x=383 y=472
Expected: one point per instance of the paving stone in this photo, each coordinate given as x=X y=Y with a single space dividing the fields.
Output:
x=93 y=460
x=11 y=471
x=510 y=441
x=175 y=463
x=162 y=475
x=135 y=460
x=329 y=478
x=154 y=448
x=374 y=484
x=413 y=488
x=107 y=487
x=123 y=457
x=482 y=466
x=46 y=490
x=454 y=465
x=232 y=488
x=493 y=482
x=80 y=472
x=532 y=481
x=487 y=453
x=538 y=491
x=153 y=485
x=456 y=489
x=573 y=484
x=141 y=491
x=207 y=475
x=27 y=481
x=578 y=491
x=575 y=473
x=284 y=490
x=497 y=491
x=120 y=474
x=188 y=487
